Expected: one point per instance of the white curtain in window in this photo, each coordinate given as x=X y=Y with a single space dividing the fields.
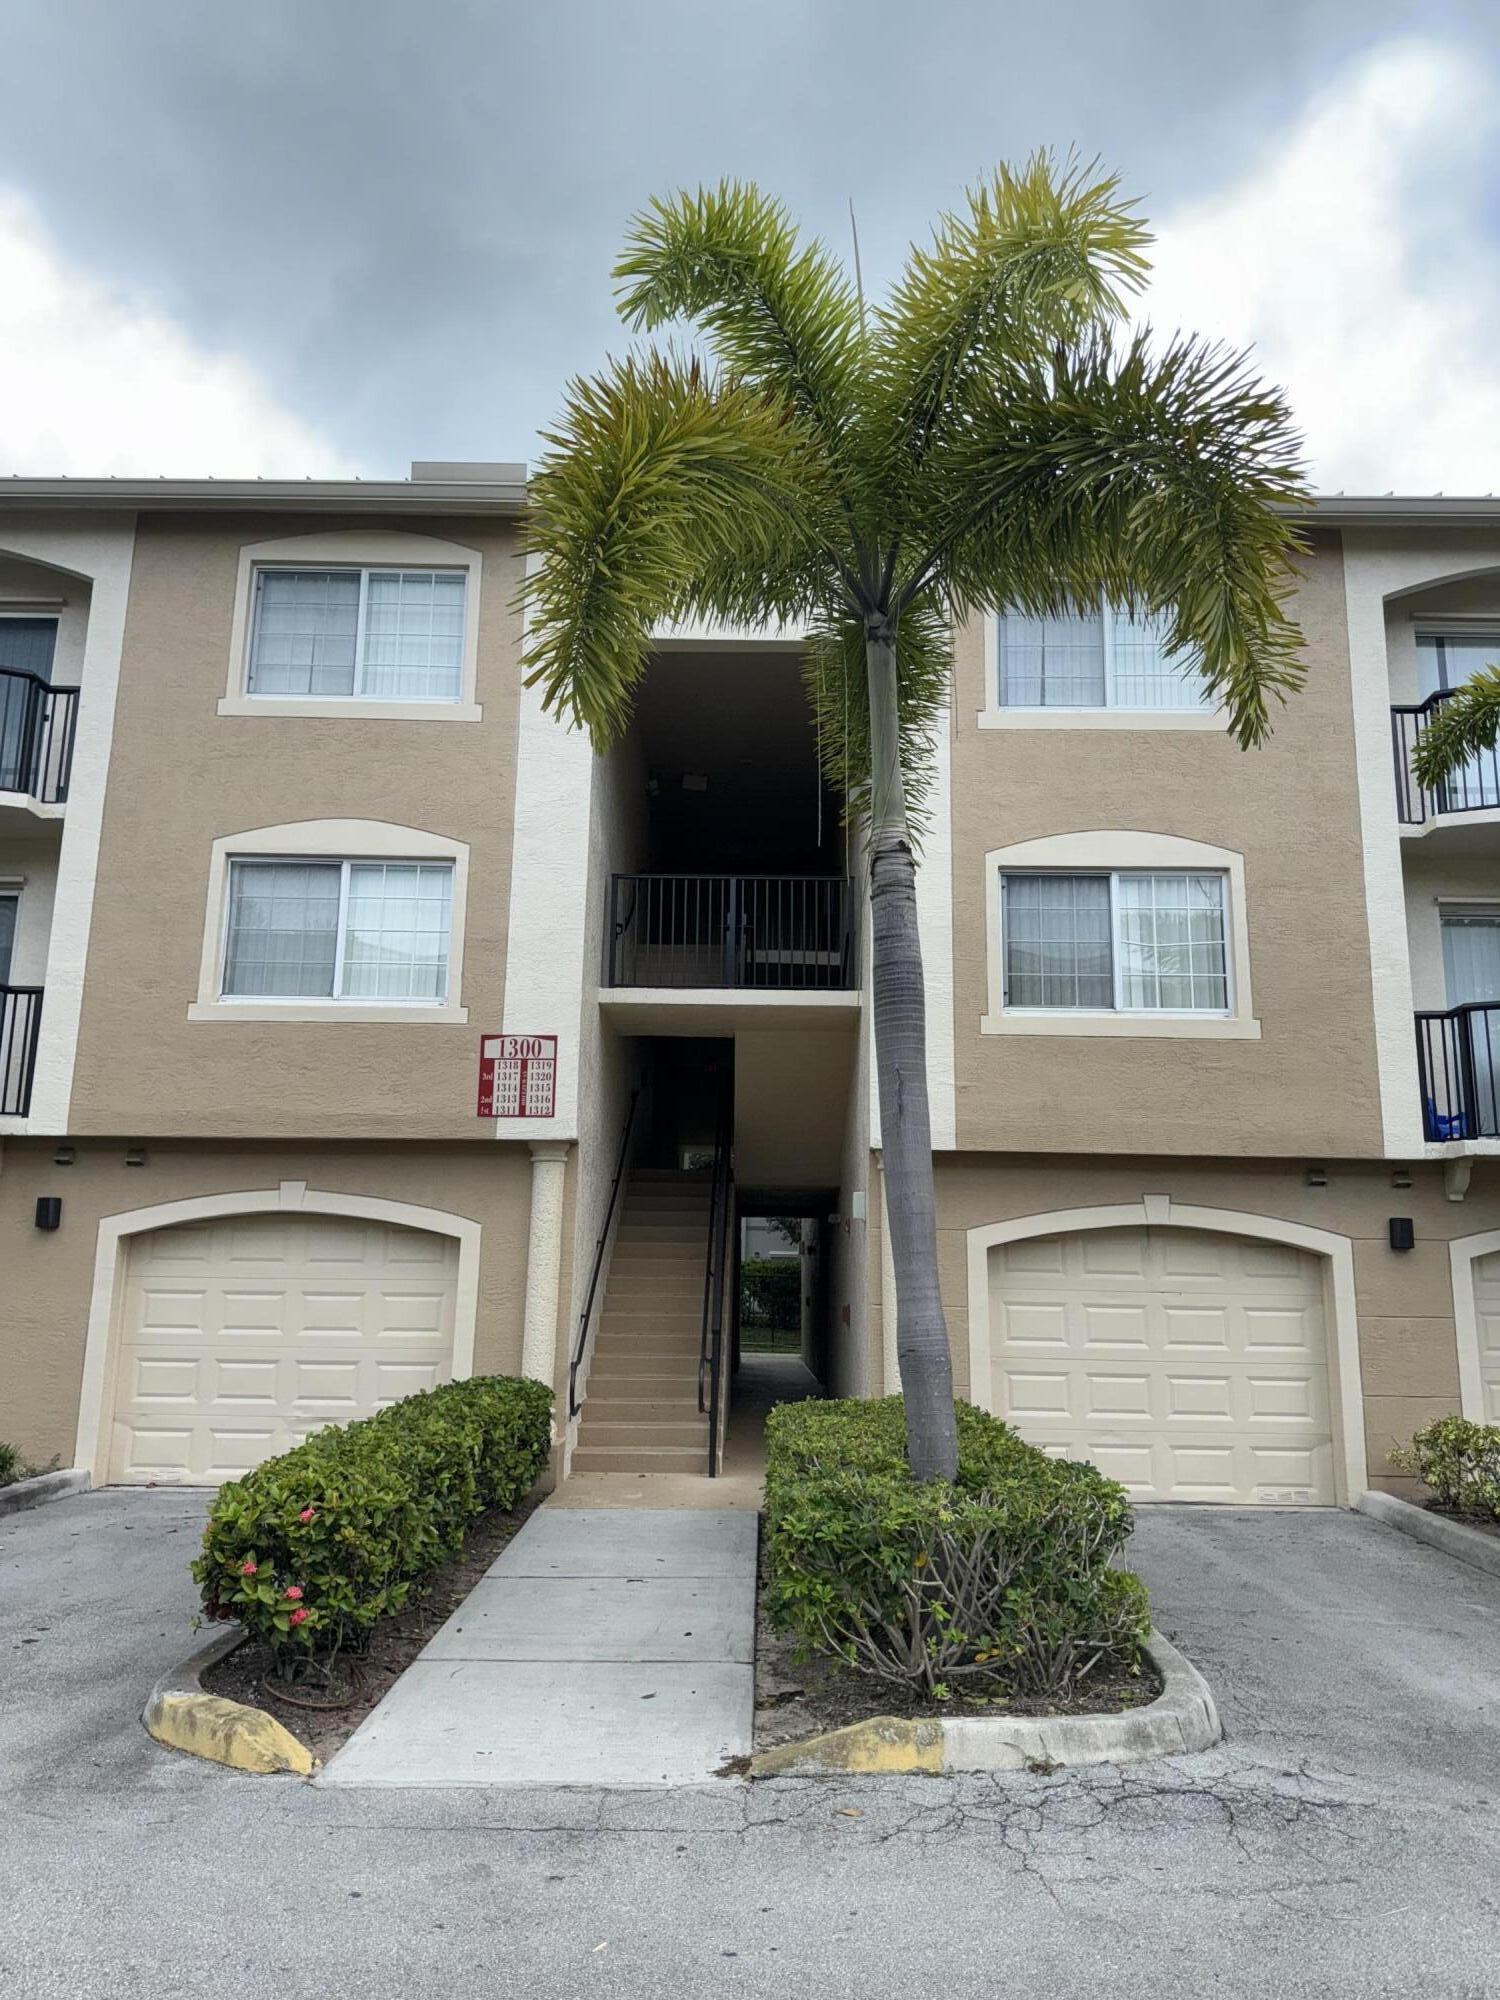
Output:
x=396 y=930
x=306 y=623
x=1057 y=950
x=1172 y=948
x=1051 y=662
x=414 y=636
x=283 y=928
x=1146 y=674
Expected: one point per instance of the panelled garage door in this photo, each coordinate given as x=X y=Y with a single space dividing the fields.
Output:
x=238 y=1337
x=1187 y=1365
x=1487 y=1320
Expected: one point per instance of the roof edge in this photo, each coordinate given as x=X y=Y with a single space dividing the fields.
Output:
x=281 y=496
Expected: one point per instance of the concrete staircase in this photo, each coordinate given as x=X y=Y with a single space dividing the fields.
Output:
x=640 y=1412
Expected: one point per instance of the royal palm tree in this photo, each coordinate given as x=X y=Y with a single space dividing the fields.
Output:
x=988 y=434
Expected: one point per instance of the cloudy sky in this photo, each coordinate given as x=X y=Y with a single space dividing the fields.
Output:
x=315 y=236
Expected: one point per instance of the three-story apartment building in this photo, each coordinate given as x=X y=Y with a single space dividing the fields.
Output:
x=362 y=1027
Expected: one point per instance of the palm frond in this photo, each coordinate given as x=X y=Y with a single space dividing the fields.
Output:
x=664 y=493
x=1039 y=255
x=778 y=316
x=1466 y=723
x=1156 y=477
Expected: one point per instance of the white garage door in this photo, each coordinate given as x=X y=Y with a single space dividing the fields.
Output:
x=238 y=1337
x=1487 y=1318
x=1186 y=1365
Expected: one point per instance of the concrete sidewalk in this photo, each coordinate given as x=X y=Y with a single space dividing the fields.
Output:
x=601 y=1648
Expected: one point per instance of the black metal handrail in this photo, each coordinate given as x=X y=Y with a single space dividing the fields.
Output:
x=1458 y=1065
x=20 y=1028
x=715 y=1263
x=1473 y=787
x=38 y=724
x=580 y=1346
x=787 y=932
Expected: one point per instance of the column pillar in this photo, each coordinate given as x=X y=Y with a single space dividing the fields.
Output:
x=549 y=1166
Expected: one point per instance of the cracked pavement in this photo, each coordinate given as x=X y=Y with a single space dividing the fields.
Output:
x=1344 y=1840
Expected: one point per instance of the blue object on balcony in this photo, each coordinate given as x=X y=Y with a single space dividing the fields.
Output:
x=1446 y=1124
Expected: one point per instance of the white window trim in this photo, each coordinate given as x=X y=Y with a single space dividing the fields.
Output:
x=328 y=840
x=362 y=550
x=993 y=716
x=1112 y=852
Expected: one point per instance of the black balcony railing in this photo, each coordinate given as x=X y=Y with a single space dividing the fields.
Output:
x=20 y=1024
x=37 y=725
x=788 y=932
x=1458 y=1063
x=1473 y=787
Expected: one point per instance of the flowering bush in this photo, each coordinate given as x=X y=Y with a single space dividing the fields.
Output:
x=311 y=1548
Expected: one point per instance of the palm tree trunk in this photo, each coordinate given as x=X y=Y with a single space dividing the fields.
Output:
x=901 y=1070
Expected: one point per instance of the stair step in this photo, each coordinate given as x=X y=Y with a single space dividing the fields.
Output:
x=678 y=1365
x=605 y=1431
x=623 y=1406
x=621 y=1458
x=661 y=1385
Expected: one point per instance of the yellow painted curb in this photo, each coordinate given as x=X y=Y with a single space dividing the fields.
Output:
x=226 y=1732
x=886 y=1743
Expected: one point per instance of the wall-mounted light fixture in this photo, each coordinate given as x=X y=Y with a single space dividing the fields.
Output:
x=48 y=1211
x=1402 y=1234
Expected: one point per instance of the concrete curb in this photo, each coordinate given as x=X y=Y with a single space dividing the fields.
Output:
x=1454 y=1538
x=23 y=1494
x=179 y=1714
x=1183 y=1718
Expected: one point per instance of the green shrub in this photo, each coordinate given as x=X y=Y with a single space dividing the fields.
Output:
x=1003 y=1581
x=1460 y=1461
x=10 y=1465
x=311 y=1548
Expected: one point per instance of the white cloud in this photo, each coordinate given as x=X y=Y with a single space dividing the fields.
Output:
x=1357 y=258
x=92 y=381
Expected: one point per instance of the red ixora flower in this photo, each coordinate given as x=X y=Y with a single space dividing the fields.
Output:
x=248 y=1568
x=298 y=1615
x=294 y=1591
x=306 y=1515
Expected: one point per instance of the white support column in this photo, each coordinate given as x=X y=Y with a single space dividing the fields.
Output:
x=890 y=1366
x=544 y=1241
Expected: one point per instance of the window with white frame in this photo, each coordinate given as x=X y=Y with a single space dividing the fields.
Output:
x=339 y=930
x=1096 y=658
x=371 y=634
x=1125 y=942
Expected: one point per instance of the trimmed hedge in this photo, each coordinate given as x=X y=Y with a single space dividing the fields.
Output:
x=1460 y=1461
x=1003 y=1582
x=311 y=1548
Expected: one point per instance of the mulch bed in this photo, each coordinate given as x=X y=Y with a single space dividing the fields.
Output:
x=394 y=1643
x=796 y=1698
x=1463 y=1520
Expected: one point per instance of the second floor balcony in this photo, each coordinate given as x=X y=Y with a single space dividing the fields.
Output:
x=787 y=933
x=38 y=722
x=20 y=1026
x=1458 y=1066
x=1474 y=787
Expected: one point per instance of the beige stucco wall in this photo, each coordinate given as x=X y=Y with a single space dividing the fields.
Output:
x=1309 y=1084
x=49 y=1274
x=1404 y=1300
x=182 y=775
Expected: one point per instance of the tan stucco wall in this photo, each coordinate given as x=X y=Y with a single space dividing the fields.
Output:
x=1309 y=1084
x=181 y=775
x=1404 y=1300
x=49 y=1274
